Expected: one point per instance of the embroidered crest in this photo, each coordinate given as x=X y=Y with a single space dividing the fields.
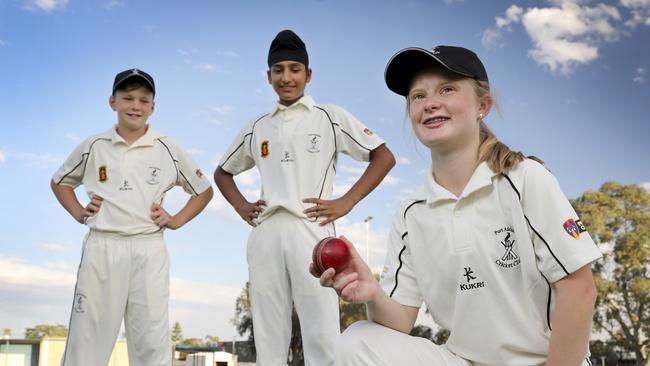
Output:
x=574 y=228
x=80 y=303
x=153 y=175
x=265 y=148
x=102 y=174
x=509 y=259
x=313 y=146
x=199 y=173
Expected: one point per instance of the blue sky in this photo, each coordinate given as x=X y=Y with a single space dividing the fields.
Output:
x=572 y=80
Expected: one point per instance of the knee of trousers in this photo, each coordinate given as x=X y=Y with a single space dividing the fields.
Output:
x=358 y=337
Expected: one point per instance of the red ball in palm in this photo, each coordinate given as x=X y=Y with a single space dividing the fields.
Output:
x=330 y=252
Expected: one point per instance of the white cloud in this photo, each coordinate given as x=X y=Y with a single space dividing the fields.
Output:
x=351 y=169
x=183 y=52
x=209 y=67
x=3 y=43
x=249 y=177
x=45 y=5
x=2 y=157
x=564 y=35
x=390 y=180
x=208 y=293
x=646 y=186
x=194 y=151
x=230 y=54
x=112 y=4
x=73 y=137
x=640 y=76
x=570 y=35
x=377 y=238
x=403 y=160
x=18 y=272
x=341 y=189
x=39 y=160
x=221 y=110
x=53 y=247
x=640 y=11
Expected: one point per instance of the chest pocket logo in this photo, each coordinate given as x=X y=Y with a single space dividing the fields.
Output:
x=509 y=259
x=154 y=175
x=103 y=177
x=313 y=143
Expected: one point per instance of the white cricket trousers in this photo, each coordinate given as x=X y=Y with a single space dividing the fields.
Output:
x=121 y=277
x=368 y=343
x=279 y=252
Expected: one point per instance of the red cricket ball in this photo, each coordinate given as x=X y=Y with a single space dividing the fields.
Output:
x=330 y=252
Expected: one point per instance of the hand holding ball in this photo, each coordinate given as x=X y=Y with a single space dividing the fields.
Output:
x=330 y=253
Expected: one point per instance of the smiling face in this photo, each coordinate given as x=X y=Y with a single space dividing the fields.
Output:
x=445 y=110
x=289 y=79
x=133 y=108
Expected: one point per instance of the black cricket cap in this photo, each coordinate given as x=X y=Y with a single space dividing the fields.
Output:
x=403 y=66
x=287 y=46
x=130 y=74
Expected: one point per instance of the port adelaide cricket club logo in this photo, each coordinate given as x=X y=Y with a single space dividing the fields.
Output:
x=471 y=280
x=509 y=258
x=313 y=144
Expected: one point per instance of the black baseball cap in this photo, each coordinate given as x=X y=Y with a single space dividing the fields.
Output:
x=403 y=66
x=125 y=75
x=287 y=46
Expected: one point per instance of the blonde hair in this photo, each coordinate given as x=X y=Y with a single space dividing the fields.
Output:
x=499 y=157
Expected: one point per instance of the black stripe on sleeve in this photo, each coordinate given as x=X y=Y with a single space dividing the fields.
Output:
x=84 y=159
x=250 y=142
x=332 y=162
x=398 y=268
x=403 y=248
x=533 y=228
x=178 y=171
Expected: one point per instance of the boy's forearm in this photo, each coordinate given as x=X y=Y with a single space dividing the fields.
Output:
x=381 y=162
x=228 y=188
x=193 y=207
x=68 y=199
x=576 y=295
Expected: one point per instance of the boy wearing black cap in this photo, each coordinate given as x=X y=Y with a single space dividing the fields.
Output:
x=295 y=148
x=124 y=269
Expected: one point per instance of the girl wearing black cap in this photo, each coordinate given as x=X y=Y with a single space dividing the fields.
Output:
x=489 y=243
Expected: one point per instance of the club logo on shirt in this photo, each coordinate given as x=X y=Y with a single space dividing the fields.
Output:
x=80 y=303
x=367 y=131
x=574 y=228
x=126 y=186
x=509 y=259
x=469 y=276
x=199 y=173
x=286 y=158
x=154 y=177
x=264 y=149
x=102 y=174
x=313 y=146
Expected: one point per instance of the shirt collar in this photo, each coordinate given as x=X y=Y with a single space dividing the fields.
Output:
x=145 y=140
x=305 y=102
x=433 y=192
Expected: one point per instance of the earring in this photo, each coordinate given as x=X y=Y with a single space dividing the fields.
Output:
x=481 y=115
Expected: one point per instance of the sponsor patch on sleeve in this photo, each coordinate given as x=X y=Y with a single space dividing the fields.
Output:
x=367 y=131
x=574 y=228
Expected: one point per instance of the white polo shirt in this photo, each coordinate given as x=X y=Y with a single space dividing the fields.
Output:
x=130 y=178
x=295 y=149
x=484 y=262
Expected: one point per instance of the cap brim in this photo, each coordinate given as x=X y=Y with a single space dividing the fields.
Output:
x=403 y=66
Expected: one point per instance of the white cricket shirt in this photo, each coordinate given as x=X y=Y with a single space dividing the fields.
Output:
x=130 y=178
x=295 y=149
x=484 y=262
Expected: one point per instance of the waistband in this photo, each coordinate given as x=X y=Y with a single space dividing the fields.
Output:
x=119 y=236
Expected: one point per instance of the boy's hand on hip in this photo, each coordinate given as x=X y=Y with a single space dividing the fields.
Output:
x=91 y=209
x=249 y=212
x=162 y=218
x=329 y=209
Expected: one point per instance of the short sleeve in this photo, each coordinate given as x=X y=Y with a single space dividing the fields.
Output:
x=239 y=157
x=72 y=171
x=398 y=278
x=190 y=176
x=353 y=137
x=562 y=243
